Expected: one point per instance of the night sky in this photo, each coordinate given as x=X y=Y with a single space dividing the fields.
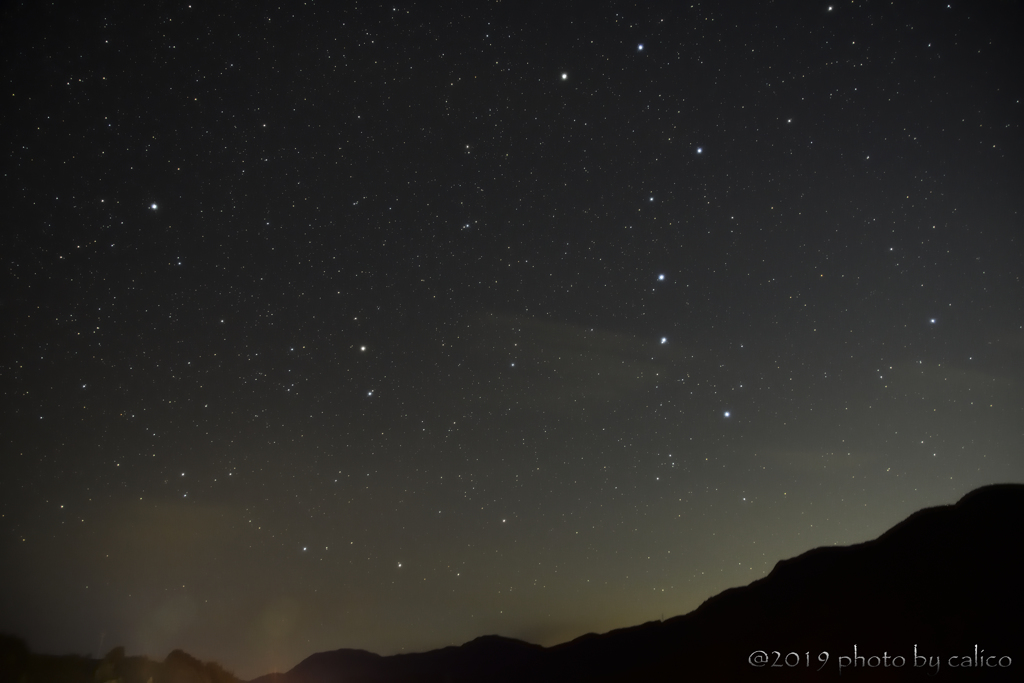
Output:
x=340 y=325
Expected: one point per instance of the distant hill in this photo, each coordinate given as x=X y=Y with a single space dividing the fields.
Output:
x=947 y=580
x=19 y=665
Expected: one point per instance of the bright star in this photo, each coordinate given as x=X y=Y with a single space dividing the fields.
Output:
x=699 y=150
x=661 y=277
x=664 y=340
x=565 y=76
x=153 y=206
x=933 y=320
x=640 y=47
x=727 y=413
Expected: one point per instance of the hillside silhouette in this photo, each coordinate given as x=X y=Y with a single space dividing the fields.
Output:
x=946 y=581
x=19 y=665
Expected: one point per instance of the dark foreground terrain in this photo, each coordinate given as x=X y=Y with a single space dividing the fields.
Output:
x=18 y=665
x=937 y=597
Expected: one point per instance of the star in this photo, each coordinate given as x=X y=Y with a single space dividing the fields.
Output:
x=153 y=206
x=700 y=150
x=640 y=47
x=661 y=277
x=727 y=413
x=565 y=76
x=664 y=340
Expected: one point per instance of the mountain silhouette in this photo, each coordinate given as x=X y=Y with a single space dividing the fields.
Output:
x=937 y=597
x=19 y=665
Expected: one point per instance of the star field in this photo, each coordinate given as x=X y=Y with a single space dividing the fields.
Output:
x=388 y=326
